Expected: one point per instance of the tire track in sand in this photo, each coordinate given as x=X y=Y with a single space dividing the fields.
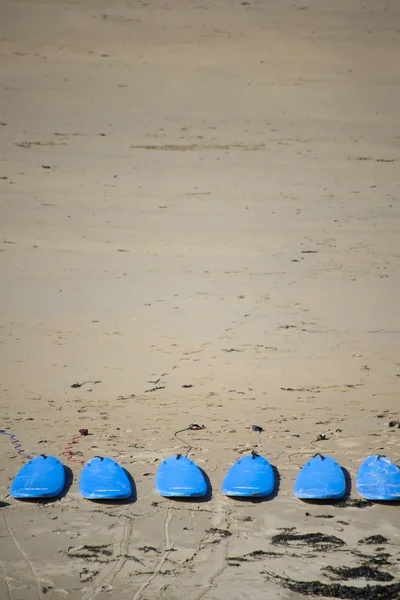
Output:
x=18 y=547
x=116 y=568
x=167 y=549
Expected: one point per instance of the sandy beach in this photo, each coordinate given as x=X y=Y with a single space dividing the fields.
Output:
x=200 y=223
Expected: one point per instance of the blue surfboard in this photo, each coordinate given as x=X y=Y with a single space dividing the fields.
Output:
x=104 y=479
x=41 y=477
x=250 y=476
x=378 y=478
x=321 y=478
x=179 y=477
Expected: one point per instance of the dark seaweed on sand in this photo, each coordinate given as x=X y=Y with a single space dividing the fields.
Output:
x=90 y=552
x=352 y=503
x=224 y=533
x=378 y=560
x=260 y=553
x=374 y=539
x=255 y=555
x=147 y=549
x=100 y=549
x=363 y=572
x=85 y=576
x=337 y=590
x=319 y=541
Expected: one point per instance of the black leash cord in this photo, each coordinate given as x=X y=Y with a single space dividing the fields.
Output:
x=192 y=427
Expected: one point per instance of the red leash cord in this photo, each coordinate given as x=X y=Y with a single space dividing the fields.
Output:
x=68 y=452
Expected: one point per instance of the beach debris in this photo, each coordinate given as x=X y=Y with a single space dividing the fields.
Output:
x=395 y=424
x=196 y=427
x=79 y=385
x=317 y=389
x=257 y=428
x=46 y=588
x=155 y=389
x=231 y=350
x=301 y=389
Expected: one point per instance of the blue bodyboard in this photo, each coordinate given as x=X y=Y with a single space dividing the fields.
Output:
x=41 y=477
x=250 y=476
x=378 y=478
x=321 y=478
x=104 y=479
x=179 y=477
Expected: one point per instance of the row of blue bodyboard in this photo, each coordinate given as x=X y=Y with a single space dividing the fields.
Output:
x=321 y=478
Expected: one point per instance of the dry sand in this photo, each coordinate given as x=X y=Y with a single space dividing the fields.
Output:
x=198 y=194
